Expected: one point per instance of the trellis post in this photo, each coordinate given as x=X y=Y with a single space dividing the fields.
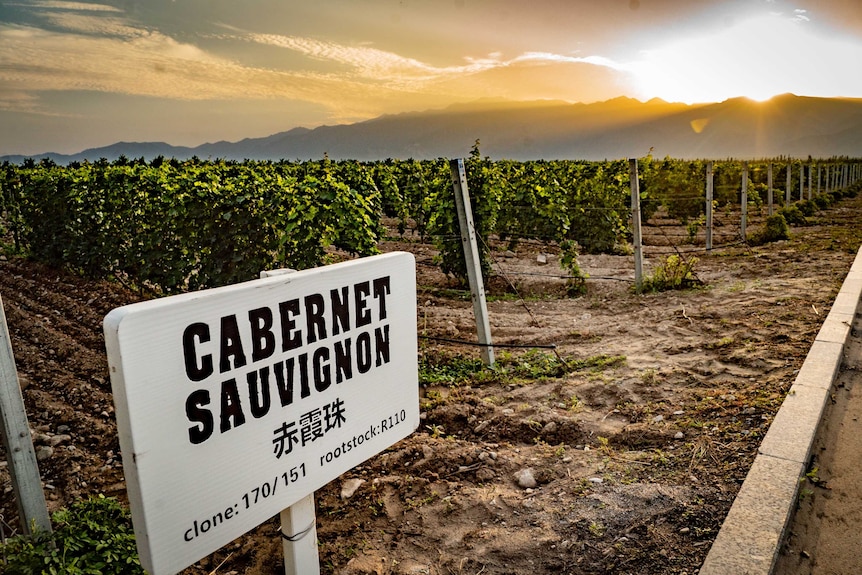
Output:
x=801 y=182
x=818 y=179
x=471 y=258
x=637 y=238
x=769 y=192
x=710 y=183
x=21 y=457
x=744 y=201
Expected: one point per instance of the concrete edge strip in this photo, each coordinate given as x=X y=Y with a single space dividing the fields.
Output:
x=750 y=537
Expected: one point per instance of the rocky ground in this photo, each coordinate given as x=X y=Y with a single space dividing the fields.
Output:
x=619 y=452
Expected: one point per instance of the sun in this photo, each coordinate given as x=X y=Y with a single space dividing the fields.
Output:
x=757 y=58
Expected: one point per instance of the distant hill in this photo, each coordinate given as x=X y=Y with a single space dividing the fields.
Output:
x=787 y=125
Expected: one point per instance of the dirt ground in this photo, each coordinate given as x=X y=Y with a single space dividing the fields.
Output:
x=635 y=452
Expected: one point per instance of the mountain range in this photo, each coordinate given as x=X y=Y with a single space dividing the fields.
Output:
x=786 y=125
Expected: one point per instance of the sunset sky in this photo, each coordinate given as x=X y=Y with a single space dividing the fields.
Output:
x=82 y=74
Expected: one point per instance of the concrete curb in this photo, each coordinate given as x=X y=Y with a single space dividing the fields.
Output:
x=751 y=535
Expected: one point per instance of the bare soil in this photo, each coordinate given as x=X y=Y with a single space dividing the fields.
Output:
x=637 y=451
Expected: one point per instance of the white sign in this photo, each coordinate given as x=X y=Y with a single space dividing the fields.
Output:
x=234 y=403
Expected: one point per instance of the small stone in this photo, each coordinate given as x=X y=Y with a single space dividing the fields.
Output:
x=551 y=427
x=482 y=426
x=44 y=452
x=58 y=439
x=41 y=438
x=508 y=411
x=542 y=259
x=679 y=435
x=679 y=412
x=685 y=530
x=349 y=487
x=658 y=419
x=63 y=429
x=596 y=480
x=525 y=478
x=509 y=254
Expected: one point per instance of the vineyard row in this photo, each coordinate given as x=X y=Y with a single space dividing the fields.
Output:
x=185 y=225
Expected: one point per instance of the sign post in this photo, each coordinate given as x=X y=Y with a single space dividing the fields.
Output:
x=298 y=522
x=299 y=535
x=237 y=403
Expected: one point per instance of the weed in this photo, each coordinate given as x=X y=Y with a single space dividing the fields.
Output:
x=92 y=536
x=604 y=445
x=649 y=377
x=724 y=342
x=671 y=274
x=776 y=229
x=793 y=215
x=448 y=369
x=596 y=529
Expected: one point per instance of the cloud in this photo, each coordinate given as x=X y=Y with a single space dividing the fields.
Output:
x=59 y=5
x=144 y=63
x=366 y=63
x=89 y=47
x=800 y=15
